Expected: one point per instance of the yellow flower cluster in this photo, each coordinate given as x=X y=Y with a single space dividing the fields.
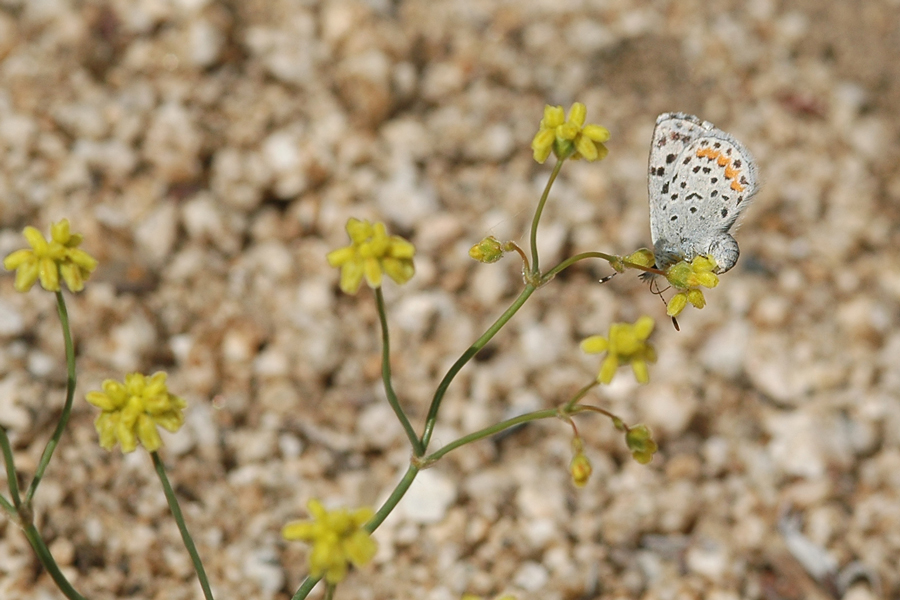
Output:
x=569 y=138
x=626 y=344
x=688 y=277
x=131 y=411
x=337 y=537
x=48 y=260
x=372 y=254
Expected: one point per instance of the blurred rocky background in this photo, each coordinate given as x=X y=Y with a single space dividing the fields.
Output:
x=211 y=153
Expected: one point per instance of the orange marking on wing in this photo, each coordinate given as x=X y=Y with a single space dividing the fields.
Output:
x=723 y=161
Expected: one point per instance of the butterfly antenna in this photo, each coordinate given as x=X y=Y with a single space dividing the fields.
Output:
x=658 y=292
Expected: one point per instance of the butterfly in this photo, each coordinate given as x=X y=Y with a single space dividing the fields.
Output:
x=701 y=180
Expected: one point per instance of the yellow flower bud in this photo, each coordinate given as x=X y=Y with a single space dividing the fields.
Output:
x=489 y=250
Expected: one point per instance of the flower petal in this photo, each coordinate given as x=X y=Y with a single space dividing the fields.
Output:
x=351 y=277
x=17 y=259
x=641 y=373
x=59 y=232
x=553 y=116
x=372 y=271
x=49 y=274
x=643 y=327
x=147 y=434
x=35 y=239
x=26 y=275
x=595 y=133
x=608 y=369
x=586 y=148
x=676 y=304
x=341 y=256
x=594 y=344
x=400 y=271
x=577 y=114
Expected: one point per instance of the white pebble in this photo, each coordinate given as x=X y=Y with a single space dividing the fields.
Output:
x=531 y=576
x=11 y=321
x=262 y=566
x=205 y=43
x=709 y=559
x=12 y=415
x=156 y=233
x=725 y=349
x=428 y=499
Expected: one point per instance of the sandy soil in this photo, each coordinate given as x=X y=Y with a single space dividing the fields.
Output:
x=211 y=153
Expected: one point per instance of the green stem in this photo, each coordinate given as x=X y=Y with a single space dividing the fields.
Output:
x=588 y=408
x=43 y=554
x=535 y=267
x=329 y=591
x=581 y=394
x=386 y=376
x=8 y=508
x=465 y=358
x=306 y=587
x=67 y=408
x=489 y=431
x=11 y=477
x=179 y=519
x=574 y=259
x=392 y=501
x=402 y=486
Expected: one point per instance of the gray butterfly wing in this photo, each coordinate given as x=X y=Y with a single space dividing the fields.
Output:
x=673 y=132
x=701 y=180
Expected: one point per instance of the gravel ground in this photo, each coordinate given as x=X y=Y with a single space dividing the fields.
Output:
x=211 y=153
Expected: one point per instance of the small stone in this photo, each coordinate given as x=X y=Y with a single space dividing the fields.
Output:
x=724 y=351
x=204 y=43
x=271 y=362
x=441 y=80
x=63 y=551
x=416 y=314
x=494 y=143
x=263 y=567
x=271 y=258
x=709 y=559
x=405 y=198
x=282 y=153
x=12 y=415
x=378 y=426
x=531 y=576
x=668 y=411
x=11 y=321
x=173 y=143
x=428 y=499
x=156 y=234
x=41 y=364
x=795 y=444
x=363 y=81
